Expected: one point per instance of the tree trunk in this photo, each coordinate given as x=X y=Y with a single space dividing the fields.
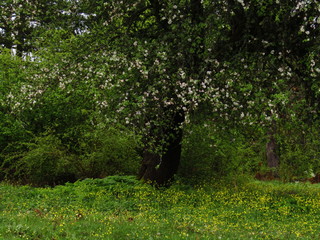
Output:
x=272 y=157
x=160 y=169
x=271 y=148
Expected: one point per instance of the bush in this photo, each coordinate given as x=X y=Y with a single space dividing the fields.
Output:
x=11 y=131
x=299 y=152
x=208 y=151
x=44 y=161
x=48 y=161
x=111 y=151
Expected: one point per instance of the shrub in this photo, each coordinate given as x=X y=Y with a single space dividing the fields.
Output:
x=44 y=161
x=11 y=131
x=110 y=151
x=208 y=151
x=299 y=152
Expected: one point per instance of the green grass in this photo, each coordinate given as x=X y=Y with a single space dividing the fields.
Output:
x=123 y=208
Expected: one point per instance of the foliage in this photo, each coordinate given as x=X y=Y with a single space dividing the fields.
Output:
x=21 y=22
x=12 y=129
x=77 y=65
x=44 y=161
x=49 y=135
x=210 y=151
x=107 y=152
x=121 y=207
x=47 y=161
x=299 y=151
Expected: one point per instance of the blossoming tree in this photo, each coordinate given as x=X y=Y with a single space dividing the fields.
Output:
x=155 y=63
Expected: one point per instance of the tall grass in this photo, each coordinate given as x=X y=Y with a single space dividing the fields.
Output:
x=123 y=208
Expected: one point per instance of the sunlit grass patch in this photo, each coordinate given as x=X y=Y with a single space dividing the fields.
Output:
x=123 y=208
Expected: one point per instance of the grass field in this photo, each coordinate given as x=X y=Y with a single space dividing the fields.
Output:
x=123 y=208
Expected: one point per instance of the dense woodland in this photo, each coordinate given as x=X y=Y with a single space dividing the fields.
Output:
x=187 y=88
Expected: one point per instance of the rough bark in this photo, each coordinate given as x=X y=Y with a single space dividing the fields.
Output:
x=158 y=169
x=271 y=149
x=272 y=157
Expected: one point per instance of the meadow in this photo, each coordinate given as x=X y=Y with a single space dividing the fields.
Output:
x=123 y=208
